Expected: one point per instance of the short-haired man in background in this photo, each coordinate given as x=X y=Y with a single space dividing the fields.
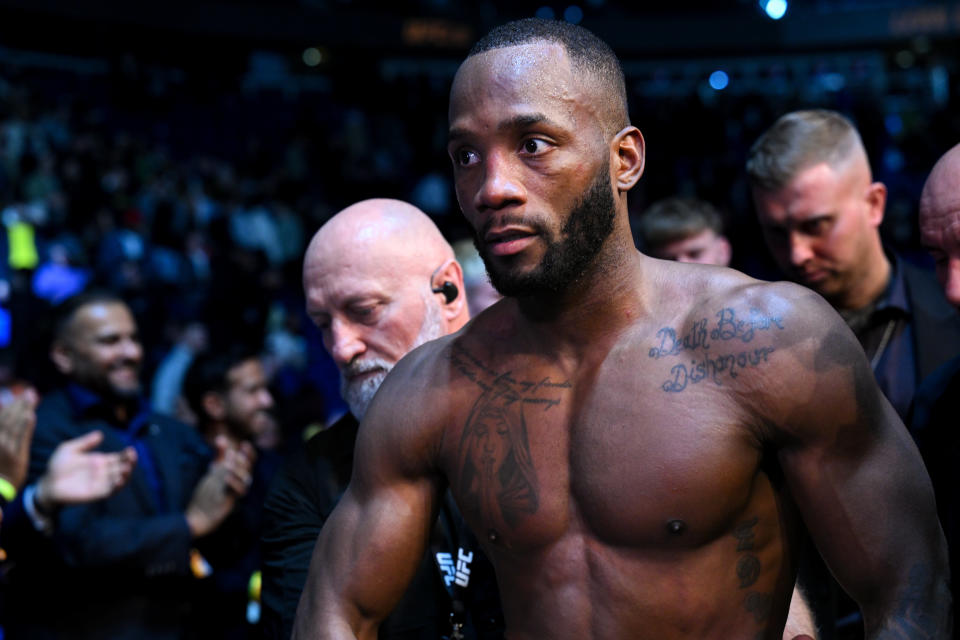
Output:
x=820 y=211
x=227 y=390
x=685 y=230
x=120 y=567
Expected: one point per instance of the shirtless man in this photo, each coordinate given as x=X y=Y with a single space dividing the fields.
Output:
x=636 y=442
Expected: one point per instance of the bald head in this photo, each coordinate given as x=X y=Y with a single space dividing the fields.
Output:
x=940 y=221
x=369 y=275
x=394 y=233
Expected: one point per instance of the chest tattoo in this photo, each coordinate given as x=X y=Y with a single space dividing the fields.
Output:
x=703 y=343
x=497 y=477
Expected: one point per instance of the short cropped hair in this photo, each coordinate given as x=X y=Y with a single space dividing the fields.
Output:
x=208 y=373
x=586 y=51
x=676 y=218
x=64 y=312
x=798 y=141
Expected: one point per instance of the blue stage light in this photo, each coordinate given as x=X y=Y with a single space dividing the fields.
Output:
x=719 y=80
x=775 y=9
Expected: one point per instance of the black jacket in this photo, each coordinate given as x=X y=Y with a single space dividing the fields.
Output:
x=303 y=494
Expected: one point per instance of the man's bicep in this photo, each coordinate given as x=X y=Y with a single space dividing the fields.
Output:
x=365 y=556
x=855 y=473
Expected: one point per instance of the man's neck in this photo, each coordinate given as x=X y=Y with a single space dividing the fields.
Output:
x=604 y=299
x=871 y=287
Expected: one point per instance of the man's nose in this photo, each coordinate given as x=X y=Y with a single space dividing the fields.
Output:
x=265 y=398
x=345 y=343
x=800 y=249
x=131 y=349
x=500 y=186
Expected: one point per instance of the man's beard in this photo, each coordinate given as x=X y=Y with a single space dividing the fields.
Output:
x=590 y=223
x=358 y=395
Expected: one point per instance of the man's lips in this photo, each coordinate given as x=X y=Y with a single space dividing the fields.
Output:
x=505 y=242
x=362 y=375
x=813 y=275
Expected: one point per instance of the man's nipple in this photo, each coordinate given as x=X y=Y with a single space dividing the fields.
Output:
x=676 y=527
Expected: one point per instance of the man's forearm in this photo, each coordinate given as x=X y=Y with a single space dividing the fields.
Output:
x=923 y=610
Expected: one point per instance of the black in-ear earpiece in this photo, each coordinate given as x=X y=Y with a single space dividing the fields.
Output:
x=449 y=291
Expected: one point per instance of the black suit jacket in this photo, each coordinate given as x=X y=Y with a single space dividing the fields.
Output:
x=936 y=324
x=303 y=493
x=117 y=568
x=935 y=423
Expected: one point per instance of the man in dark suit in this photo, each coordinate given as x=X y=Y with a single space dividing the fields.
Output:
x=821 y=210
x=117 y=568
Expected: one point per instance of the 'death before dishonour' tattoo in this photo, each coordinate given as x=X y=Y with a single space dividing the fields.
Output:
x=706 y=364
x=497 y=474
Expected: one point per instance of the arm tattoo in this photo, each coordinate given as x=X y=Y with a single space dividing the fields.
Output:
x=700 y=338
x=748 y=571
x=497 y=475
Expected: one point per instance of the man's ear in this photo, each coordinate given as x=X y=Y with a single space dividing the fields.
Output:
x=876 y=197
x=213 y=405
x=629 y=159
x=450 y=272
x=61 y=357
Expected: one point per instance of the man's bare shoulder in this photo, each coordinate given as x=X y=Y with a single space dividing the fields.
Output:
x=428 y=389
x=756 y=339
x=814 y=370
x=699 y=291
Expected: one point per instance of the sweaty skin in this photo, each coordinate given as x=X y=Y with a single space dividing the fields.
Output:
x=636 y=451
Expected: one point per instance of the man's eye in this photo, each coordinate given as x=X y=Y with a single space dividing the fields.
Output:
x=365 y=313
x=816 y=227
x=466 y=157
x=534 y=145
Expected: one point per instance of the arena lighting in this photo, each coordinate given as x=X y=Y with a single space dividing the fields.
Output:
x=775 y=9
x=573 y=14
x=719 y=80
x=312 y=57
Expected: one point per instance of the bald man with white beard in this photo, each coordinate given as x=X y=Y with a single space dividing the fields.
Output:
x=374 y=278
x=380 y=280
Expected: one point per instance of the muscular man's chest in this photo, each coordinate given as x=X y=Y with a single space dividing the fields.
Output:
x=538 y=454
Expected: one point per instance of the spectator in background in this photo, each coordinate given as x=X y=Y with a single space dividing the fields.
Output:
x=380 y=280
x=685 y=230
x=934 y=420
x=118 y=568
x=75 y=474
x=227 y=391
x=820 y=212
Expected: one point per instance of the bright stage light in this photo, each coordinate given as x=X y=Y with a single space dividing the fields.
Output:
x=719 y=80
x=775 y=9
